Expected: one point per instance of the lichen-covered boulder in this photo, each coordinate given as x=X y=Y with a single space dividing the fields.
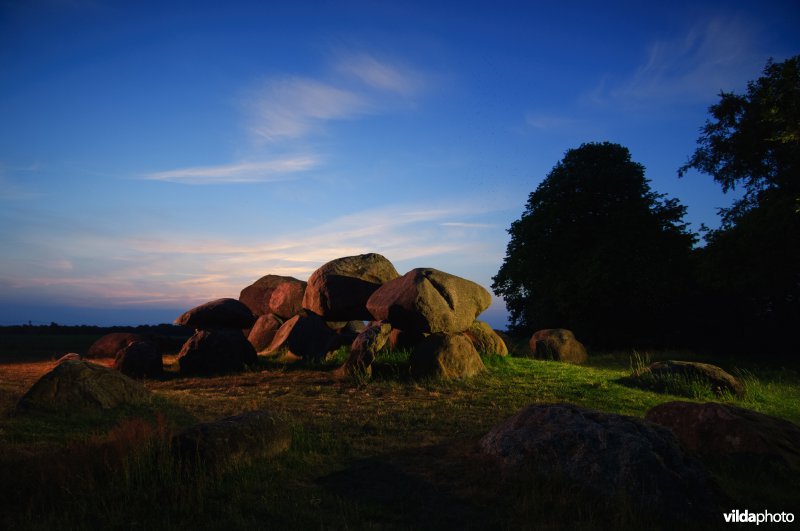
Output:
x=139 y=359
x=218 y=314
x=558 y=344
x=75 y=385
x=338 y=291
x=659 y=374
x=608 y=459
x=286 y=300
x=263 y=331
x=108 y=345
x=216 y=351
x=429 y=301
x=257 y=295
x=722 y=430
x=238 y=439
x=486 y=340
x=446 y=357
x=305 y=335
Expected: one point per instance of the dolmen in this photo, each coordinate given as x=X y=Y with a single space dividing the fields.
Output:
x=428 y=311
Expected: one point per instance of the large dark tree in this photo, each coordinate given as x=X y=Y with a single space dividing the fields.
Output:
x=750 y=266
x=599 y=252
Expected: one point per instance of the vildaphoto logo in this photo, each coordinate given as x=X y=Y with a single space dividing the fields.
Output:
x=746 y=517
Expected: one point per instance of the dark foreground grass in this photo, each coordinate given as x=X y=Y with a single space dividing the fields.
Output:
x=383 y=453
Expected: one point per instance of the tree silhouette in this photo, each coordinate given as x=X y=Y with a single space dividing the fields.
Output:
x=599 y=252
x=750 y=267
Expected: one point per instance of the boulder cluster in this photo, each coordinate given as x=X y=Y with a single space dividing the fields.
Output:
x=431 y=312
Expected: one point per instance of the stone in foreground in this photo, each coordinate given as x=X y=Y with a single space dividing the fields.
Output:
x=605 y=459
x=558 y=344
x=445 y=356
x=429 y=301
x=75 y=385
x=720 y=430
x=718 y=380
x=238 y=439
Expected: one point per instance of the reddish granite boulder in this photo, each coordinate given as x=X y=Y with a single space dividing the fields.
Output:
x=427 y=300
x=256 y=296
x=108 y=345
x=609 y=459
x=721 y=430
x=445 y=356
x=139 y=359
x=338 y=291
x=216 y=351
x=218 y=314
x=263 y=332
x=557 y=344
x=305 y=335
x=486 y=340
x=286 y=300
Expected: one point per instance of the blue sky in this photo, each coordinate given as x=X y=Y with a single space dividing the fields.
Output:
x=156 y=155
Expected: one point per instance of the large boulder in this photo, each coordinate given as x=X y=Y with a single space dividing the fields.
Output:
x=108 y=345
x=445 y=356
x=75 y=385
x=722 y=430
x=604 y=460
x=365 y=348
x=238 y=439
x=139 y=359
x=263 y=331
x=257 y=295
x=670 y=375
x=286 y=300
x=429 y=301
x=486 y=340
x=216 y=351
x=305 y=335
x=218 y=314
x=338 y=291
x=557 y=344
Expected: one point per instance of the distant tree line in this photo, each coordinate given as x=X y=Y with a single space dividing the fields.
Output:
x=597 y=251
x=57 y=329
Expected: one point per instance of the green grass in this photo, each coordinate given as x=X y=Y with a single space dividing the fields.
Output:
x=380 y=453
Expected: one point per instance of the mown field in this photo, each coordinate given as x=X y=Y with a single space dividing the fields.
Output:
x=384 y=453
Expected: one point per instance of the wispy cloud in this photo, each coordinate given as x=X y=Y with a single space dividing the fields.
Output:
x=291 y=107
x=718 y=55
x=242 y=172
x=381 y=74
x=169 y=269
x=549 y=122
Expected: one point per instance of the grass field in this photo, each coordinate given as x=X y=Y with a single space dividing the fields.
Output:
x=388 y=453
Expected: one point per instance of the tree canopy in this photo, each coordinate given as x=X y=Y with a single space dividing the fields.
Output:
x=598 y=252
x=750 y=267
